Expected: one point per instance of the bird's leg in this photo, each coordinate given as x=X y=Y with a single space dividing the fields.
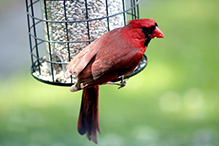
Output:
x=121 y=84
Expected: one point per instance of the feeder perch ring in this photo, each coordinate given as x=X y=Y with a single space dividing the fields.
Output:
x=138 y=69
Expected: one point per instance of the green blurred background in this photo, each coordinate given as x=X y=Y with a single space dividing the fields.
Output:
x=173 y=102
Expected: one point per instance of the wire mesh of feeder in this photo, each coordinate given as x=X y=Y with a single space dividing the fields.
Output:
x=60 y=29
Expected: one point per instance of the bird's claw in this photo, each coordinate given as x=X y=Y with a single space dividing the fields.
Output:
x=122 y=84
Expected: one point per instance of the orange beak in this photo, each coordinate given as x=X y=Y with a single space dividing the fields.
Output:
x=157 y=33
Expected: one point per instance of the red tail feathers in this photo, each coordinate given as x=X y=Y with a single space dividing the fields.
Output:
x=88 y=121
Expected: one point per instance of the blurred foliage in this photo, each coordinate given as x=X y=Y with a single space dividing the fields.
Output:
x=173 y=102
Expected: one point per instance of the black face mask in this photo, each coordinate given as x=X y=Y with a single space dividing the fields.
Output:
x=148 y=31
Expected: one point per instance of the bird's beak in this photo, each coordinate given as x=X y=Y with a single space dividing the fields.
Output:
x=157 y=33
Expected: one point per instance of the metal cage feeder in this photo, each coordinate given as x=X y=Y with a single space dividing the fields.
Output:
x=60 y=29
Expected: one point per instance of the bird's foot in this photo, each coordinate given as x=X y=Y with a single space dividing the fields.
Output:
x=121 y=84
x=74 y=88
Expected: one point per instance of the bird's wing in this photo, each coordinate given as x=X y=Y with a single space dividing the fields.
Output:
x=117 y=63
x=80 y=61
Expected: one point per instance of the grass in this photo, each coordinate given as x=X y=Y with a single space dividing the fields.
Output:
x=173 y=102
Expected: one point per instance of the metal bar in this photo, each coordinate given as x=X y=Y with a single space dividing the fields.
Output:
x=88 y=30
x=28 y=24
x=61 y=42
x=33 y=47
x=51 y=62
x=33 y=3
x=107 y=14
x=130 y=13
x=34 y=31
x=124 y=14
x=48 y=37
x=138 y=9
x=66 y=27
x=134 y=10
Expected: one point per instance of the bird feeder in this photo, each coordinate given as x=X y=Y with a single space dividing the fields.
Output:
x=60 y=29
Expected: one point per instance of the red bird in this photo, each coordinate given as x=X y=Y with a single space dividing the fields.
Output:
x=116 y=53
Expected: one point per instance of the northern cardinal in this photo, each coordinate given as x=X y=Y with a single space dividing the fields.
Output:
x=114 y=54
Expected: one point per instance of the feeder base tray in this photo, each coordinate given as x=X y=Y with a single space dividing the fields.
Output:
x=42 y=72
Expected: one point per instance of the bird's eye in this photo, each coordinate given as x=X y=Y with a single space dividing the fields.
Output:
x=145 y=29
x=148 y=30
x=153 y=28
